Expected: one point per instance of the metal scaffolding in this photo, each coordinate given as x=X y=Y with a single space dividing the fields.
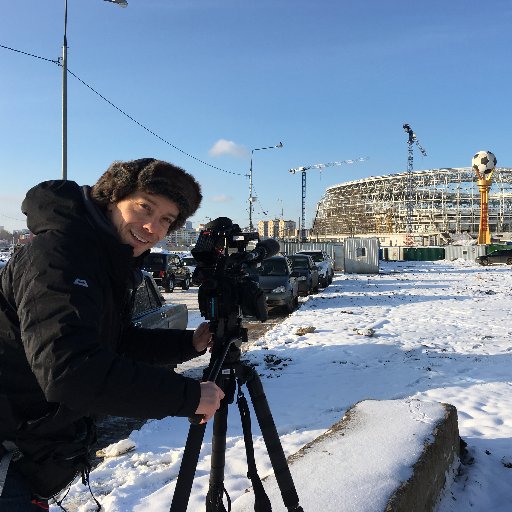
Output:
x=445 y=201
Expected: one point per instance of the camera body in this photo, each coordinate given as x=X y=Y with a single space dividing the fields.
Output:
x=225 y=287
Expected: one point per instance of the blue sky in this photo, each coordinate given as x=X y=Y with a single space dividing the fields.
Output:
x=333 y=80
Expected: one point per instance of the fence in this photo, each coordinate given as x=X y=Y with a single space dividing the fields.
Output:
x=338 y=251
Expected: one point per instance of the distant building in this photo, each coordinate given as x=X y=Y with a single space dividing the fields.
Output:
x=273 y=228
x=185 y=236
x=277 y=228
x=263 y=229
x=287 y=229
x=22 y=236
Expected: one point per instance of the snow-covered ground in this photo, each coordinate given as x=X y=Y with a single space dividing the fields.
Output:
x=430 y=331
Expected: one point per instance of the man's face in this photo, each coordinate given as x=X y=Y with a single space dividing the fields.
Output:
x=142 y=219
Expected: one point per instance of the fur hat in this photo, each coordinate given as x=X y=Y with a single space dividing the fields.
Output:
x=153 y=176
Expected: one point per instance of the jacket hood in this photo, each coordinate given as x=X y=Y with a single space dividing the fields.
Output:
x=55 y=204
x=65 y=206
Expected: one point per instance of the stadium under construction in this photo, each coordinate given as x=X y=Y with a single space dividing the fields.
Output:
x=443 y=206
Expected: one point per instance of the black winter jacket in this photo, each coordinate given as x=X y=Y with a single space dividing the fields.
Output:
x=68 y=349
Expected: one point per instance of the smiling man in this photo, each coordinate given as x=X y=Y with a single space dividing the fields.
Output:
x=142 y=219
x=68 y=349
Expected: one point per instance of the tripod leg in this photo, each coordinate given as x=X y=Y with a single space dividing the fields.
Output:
x=216 y=490
x=188 y=468
x=272 y=441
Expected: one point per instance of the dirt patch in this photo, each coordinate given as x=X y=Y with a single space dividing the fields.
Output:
x=256 y=330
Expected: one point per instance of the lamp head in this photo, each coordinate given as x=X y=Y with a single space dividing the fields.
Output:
x=121 y=3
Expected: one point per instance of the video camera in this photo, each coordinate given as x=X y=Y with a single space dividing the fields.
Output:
x=226 y=287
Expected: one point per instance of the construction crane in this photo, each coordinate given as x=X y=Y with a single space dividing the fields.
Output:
x=303 y=171
x=412 y=139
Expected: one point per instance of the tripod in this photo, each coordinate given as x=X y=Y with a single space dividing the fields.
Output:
x=227 y=371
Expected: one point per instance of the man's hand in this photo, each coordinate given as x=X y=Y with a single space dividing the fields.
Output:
x=202 y=337
x=211 y=395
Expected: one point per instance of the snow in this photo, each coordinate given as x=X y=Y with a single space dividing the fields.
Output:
x=373 y=438
x=427 y=331
x=117 y=449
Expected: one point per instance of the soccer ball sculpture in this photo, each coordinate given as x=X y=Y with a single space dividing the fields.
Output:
x=484 y=162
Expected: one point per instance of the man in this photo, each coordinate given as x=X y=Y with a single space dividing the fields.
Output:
x=68 y=350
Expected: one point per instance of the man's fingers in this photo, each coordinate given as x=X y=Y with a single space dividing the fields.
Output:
x=211 y=396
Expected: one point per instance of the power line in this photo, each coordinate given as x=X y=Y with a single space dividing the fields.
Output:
x=29 y=54
x=151 y=131
x=262 y=210
x=125 y=113
x=12 y=218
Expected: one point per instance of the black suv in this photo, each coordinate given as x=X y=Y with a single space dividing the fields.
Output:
x=168 y=270
x=306 y=271
x=500 y=256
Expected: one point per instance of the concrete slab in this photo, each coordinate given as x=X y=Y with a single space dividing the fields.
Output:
x=382 y=456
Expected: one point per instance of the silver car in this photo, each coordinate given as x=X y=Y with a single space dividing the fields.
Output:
x=324 y=263
x=152 y=312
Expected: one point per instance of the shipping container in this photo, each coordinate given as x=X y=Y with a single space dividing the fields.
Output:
x=424 y=253
x=465 y=252
x=361 y=255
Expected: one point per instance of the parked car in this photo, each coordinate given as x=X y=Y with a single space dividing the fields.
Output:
x=325 y=265
x=276 y=279
x=168 y=270
x=500 y=256
x=306 y=271
x=191 y=263
x=152 y=312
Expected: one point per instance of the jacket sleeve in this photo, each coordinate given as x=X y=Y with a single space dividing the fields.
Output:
x=60 y=297
x=159 y=346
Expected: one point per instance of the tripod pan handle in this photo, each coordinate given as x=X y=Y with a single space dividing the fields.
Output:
x=196 y=419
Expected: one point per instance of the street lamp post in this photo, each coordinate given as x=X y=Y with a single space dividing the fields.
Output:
x=121 y=3
x=65 y=96
x=251 y=198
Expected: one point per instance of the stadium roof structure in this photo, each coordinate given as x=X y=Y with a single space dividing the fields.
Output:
x=445 y=201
